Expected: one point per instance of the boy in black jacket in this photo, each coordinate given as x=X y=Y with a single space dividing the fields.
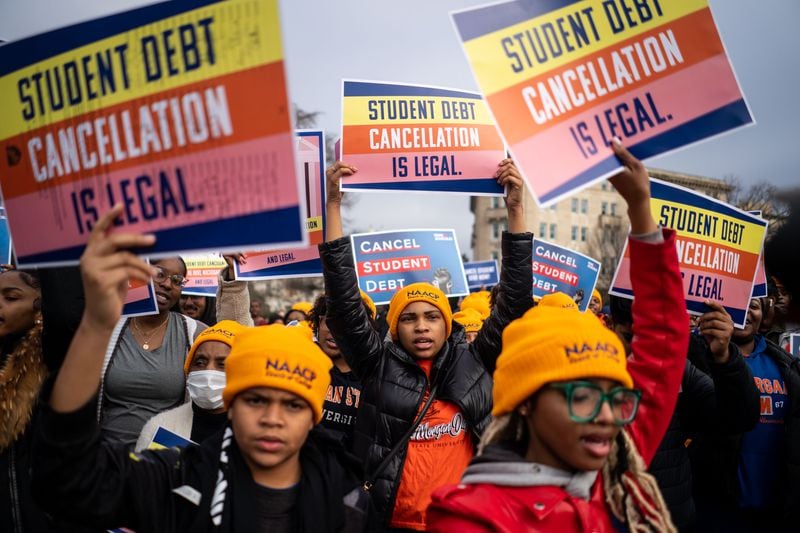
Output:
x=266 y=470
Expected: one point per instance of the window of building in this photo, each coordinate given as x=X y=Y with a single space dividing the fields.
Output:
x=584 y=231
x=574 y=233
x=495 y=255
x=614 y=208
x=495 y=230
x=574 y=205
x=604 y=186
x=495 y=202
x=604 y=208
x=552 y=231
x=542 y=229
x=584 y=206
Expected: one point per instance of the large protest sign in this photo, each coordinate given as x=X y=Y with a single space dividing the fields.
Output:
x=718 y=246
x=760 y=283
x=141 y=299
x=563 y=78
x=177 y=110
x=559 y=269
x=387 y=261
x=202 y=274
x=304 y=261
x=482 y=274
x=416 y=138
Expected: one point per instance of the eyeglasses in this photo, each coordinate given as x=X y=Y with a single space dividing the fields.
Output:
x=176 y=279
x=585 y=399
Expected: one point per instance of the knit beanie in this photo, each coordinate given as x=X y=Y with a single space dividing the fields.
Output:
x=470 y=319
x=554 y=342
x=223 y=331
x=303 y=307
x=478 y=302
x=418 y=292
x=278 y=357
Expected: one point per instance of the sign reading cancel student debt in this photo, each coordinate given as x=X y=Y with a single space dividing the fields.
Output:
x=563 y=77
x=719 y=248
x=415 y=138
x=177 y=110
x=297 y=262
x=559 y=269
x=389 y=260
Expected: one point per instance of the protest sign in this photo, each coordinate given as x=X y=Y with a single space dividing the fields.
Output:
x=141 y=299
x=563 y=78
x=6 y=250
x=760 y=283
x=387 y=261
x=297 y=262
x=177 y=110
x=165 y=438
x=482 y=274
x=417 y=138
x=559 y=269
x=794 y=344
x=202 y=274
x=718 y=246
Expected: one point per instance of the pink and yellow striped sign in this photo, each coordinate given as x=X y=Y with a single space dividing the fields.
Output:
x=177 y=110
x=416 y=138
x=562 y=78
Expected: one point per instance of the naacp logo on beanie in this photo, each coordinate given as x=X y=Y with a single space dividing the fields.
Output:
x=281 y=368
x=579 y=352
x=418 y=292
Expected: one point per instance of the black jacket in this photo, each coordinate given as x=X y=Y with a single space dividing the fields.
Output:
x=715 y=456
x=725 y=402
x=394 y=384
x=78 y=478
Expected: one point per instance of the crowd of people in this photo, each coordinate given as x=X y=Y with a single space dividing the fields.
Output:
x=497 y=413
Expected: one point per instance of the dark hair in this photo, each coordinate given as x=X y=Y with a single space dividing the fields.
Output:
x=177 y=257
x=621 y=310
x=320 y=310
x=780 y=256
x=31 y=279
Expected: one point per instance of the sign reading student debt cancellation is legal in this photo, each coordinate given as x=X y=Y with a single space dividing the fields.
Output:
x=302 y=261
x=415 y=138
x=562 y=78
x=559 y=269
x=390 y=260
x=178 y=111
x=719 y=248
x=202 y=274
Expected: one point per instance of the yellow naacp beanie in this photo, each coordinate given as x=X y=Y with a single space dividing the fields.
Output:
x=479 y=302
x=470 y=319
x=418 y=292
x=278 y=357
x=223 y=331
x=554 y=342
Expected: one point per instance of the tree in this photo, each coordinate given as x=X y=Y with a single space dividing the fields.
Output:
x=605 y=244
x=761 y=196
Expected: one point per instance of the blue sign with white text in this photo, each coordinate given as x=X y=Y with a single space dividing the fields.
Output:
x=559 y=269
x=482 y=274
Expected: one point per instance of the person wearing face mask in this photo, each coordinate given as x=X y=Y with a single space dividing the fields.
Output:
x=204 y=414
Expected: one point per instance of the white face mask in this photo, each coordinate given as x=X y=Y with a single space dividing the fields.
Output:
x=205 y=388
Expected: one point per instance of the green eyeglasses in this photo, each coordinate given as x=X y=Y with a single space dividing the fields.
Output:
x=585 y=399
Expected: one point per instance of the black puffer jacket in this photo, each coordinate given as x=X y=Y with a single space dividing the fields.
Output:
x=725 y=402
x=394 y=384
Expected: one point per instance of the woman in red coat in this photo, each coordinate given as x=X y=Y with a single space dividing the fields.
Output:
x=571 y=438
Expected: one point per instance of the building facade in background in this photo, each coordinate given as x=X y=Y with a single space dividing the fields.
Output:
x=592 y=221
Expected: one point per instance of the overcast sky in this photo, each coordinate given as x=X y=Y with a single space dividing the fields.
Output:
x=413 y=41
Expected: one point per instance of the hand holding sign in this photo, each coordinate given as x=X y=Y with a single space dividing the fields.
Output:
x=333 y=198
x=106 y=267
x=716 y=326
x=633 y=184
x=508 y=176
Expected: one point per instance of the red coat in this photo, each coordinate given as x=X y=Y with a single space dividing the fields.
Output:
x=660 y=344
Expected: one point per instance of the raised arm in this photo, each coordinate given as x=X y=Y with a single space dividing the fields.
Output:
x=660 y=322
x=516 y=277
x=360 y=344
x=233 y=297
x=106 y=267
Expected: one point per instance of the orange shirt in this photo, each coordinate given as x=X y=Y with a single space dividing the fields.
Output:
x=438 y=453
